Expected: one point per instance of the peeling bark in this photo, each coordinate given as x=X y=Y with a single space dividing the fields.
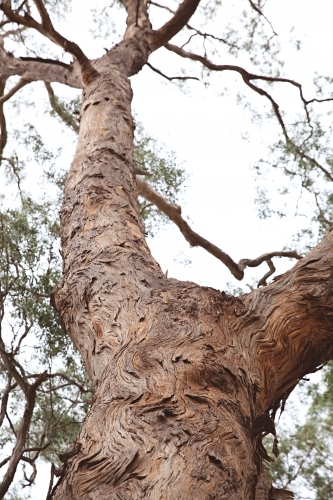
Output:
x=184 y=375
x=187 y=379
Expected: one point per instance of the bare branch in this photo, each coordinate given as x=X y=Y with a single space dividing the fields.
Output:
x=46 y=28
x=3 y=125
x=260 y=12
x=4 y=400
x=70 y=381
x=4 y=462
x=10 y=367
x=11 y=425
x=194 y=239
x=20 y=84
x=181 y=17
x=247 y=78
x=170 y=78
x=12 y=32
x=33 y=69
x=21 y=434
x=37 y=448
x=197 y=32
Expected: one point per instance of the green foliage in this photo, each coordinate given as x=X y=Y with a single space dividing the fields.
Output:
x=33 y=338
x=162 y=173
x=305 y=463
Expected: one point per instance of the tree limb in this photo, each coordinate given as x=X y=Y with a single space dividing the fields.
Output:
x=170 y=78
x=194 y=239
x=33 y=69
x=181 y=17
x=191 y=28
x=21 y=434
x=3 y=125
x=20 y=84
x=10 y=367
x=247 y=78
x=260 y=12
x=46 y=28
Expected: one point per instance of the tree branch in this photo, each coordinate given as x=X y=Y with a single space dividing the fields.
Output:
x=22 y=434
x=257 y=9
x=3 y=125
x=70 y=381
x=4 y=400
x=247 y=78
x=33 y=69
x=46 y=28
x=191 y=28
x=10 y=367
x=181 y=17
x=170 y=78
x=20 y=84
x=194 y=239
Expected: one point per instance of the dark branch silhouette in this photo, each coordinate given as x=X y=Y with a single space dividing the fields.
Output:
x=194 y=239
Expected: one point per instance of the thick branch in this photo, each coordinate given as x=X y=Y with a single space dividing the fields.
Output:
x=181 y=17
x=191 y=28
x=194 y=239
x=9 y=363
x=46 y=28
x=289 y=324
x=33 y=69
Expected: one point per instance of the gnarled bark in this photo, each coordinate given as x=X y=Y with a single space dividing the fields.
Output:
x=187 y=379
x=184 y=375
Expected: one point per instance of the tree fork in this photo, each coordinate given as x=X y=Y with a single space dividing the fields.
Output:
x=184 y=375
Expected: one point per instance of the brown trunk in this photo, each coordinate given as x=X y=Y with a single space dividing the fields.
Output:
x=184 y=375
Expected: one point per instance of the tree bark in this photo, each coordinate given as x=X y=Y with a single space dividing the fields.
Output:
x=184 y=375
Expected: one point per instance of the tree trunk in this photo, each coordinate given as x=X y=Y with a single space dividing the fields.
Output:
x=184 y=375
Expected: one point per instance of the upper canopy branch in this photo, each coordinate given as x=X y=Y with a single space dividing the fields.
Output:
x=247 y=78
x=46 y=28
x=191 y=28
x=194 y=239
x=180 y=18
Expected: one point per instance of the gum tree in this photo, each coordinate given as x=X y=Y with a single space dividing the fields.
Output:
x=187 y=380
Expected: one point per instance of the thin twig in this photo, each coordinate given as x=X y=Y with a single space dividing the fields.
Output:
x=170 y=78
x=247 y=78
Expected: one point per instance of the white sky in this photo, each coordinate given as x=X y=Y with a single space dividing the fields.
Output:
x=205 y=131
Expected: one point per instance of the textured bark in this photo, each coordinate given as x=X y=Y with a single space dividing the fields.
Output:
x=187 y=378
x=184 y=375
